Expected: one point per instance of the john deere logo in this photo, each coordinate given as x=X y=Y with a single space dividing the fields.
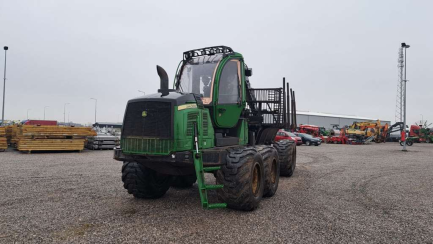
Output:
x=144 y=114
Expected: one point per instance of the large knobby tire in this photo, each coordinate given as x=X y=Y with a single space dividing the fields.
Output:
x=271 y=166
x=287 y=155
x=243 y=179
x=143 y=182
x=183 y=181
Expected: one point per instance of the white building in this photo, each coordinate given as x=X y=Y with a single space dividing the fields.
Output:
x=328 y=120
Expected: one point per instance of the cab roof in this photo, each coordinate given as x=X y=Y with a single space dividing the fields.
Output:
x=207 y=51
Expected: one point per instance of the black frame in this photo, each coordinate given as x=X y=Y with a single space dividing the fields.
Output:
x=206 y=51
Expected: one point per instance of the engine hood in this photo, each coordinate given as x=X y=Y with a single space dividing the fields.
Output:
x=176 y=98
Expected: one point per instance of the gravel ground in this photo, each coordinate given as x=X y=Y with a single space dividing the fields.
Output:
x=339 y=193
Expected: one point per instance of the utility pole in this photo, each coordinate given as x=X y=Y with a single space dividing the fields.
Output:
x=96 y=105
x=400 y=87
x=403 y=45
x=44 y=110
x=64 y=114
x=4 y=87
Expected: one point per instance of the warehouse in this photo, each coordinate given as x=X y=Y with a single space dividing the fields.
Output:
x=328 y=120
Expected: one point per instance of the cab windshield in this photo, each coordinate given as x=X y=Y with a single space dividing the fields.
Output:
x=197 y=75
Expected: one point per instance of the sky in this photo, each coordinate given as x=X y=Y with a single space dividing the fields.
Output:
x=339 y=56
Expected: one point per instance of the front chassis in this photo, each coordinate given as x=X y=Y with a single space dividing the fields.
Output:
x=177 y=163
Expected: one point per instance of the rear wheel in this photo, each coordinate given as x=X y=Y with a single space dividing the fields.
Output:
x=409 y=143
x=143 y=182
x=287 y=157
x=272 y=169
x=183 y=181
x=243 y=179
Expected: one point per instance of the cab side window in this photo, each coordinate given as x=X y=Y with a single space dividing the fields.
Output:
x=229 y=83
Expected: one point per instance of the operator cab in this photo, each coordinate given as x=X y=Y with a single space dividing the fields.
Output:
x=198 y=75
x=215 y=74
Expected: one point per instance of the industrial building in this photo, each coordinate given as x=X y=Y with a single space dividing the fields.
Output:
x=329 y=120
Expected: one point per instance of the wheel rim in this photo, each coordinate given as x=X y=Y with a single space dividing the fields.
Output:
x=274 y=172
x=256 y=179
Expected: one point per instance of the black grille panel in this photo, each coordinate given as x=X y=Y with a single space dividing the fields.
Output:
x=205 y=124
x=156 y=122
x=192 y=117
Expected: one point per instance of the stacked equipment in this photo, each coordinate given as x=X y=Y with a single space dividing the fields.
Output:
x=3 y=140
x=51 y=138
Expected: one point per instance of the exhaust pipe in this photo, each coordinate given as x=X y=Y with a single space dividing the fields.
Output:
x=164 y=81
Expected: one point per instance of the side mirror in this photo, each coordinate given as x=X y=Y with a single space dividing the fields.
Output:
x=249 y=72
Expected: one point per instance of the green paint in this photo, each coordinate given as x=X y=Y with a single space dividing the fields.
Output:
x=242 y=132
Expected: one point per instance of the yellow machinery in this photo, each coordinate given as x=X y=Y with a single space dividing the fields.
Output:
x=364 y=130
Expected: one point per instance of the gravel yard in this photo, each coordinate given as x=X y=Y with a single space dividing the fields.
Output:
x=339 y=193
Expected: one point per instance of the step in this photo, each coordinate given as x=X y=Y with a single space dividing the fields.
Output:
x=217 y=205
x=213 y=187
x=211 y=169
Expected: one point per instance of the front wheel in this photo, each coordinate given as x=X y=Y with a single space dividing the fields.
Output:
x=409 y=143
x=143 y=182
x=243 y=179
x=307 y=143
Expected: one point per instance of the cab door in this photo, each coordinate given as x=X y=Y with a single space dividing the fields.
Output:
x=228 y=104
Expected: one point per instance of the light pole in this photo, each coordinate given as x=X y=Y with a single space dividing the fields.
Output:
x=96 y=105
x=28 y=113
x=4 y=87
x=69 y=122
x=64 y=114
x=142 y=92
x=44 y=110
x=422 y=119
x=403 y=45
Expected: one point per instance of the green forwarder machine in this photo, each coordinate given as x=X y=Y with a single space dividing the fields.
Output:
x=211 y=122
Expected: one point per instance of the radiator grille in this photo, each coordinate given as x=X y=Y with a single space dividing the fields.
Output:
x=148 y=119
x=147 y=146
x=205 y=124
x=192 y=117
